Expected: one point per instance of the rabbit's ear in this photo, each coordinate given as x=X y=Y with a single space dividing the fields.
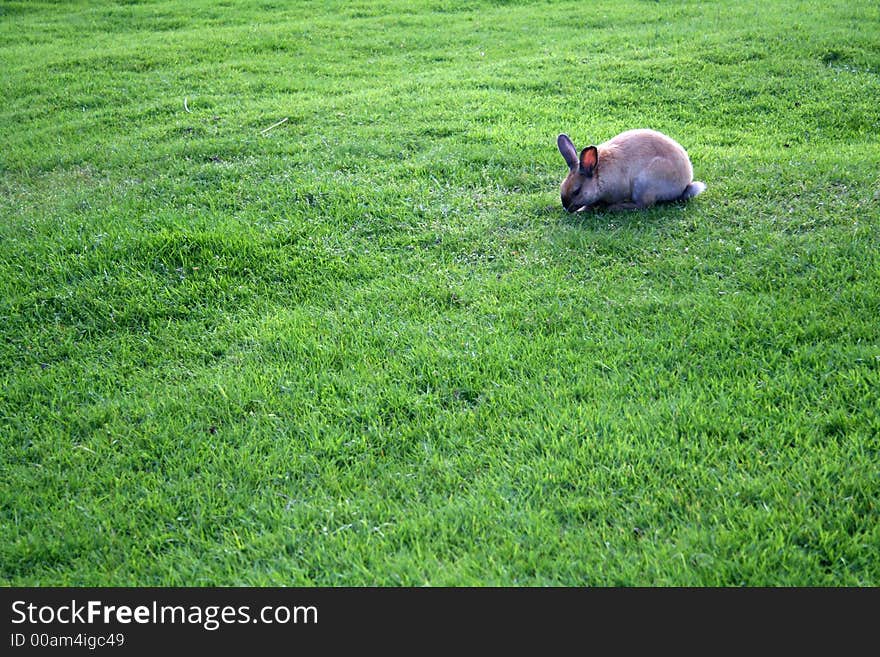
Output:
x=589 y=160
x=568 y=150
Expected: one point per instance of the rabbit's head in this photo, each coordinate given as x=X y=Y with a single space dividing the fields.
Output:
x=580 y=189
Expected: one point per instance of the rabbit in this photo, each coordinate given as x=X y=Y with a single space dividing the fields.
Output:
x=633 y=170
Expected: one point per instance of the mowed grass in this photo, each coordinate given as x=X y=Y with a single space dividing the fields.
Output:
x=368 y=347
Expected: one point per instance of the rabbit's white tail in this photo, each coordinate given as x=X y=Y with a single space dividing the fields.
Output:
x=696 y=187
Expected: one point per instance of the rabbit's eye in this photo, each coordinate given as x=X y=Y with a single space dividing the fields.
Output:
x=576 y=191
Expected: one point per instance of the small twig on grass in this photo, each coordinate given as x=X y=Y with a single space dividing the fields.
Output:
x=185 y=106
x=274 y=125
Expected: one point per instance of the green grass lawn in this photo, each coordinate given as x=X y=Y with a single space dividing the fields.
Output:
x=367 y=346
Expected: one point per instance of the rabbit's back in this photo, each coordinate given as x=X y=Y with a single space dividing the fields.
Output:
x=643 y=145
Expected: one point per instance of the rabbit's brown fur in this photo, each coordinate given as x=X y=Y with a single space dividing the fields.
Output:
x=633 y=170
